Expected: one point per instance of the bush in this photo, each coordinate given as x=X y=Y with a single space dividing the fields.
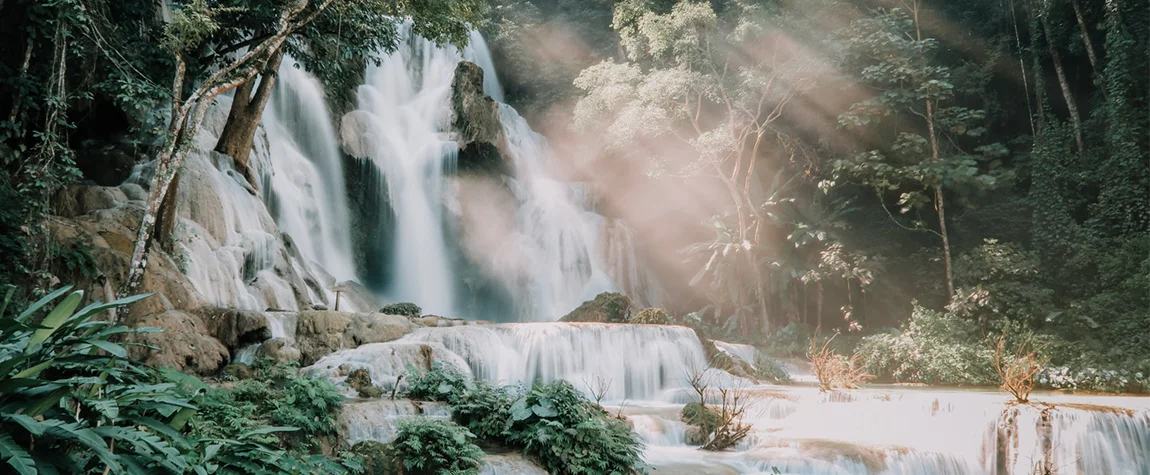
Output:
x=835 y=371
x=770 y=370
x=790 y=340
x=935 y=348
x=567 y=433
x=437 y=384
x=570 y=435
x=429 y=447
x=406 y=309
x=653 y=316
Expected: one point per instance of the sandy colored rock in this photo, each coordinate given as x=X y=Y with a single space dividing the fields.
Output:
x=321 y=332
x=279 y=350
x=185 y=343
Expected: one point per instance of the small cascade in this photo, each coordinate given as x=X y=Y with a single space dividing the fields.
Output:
x=1068 y=439
x=277 y=326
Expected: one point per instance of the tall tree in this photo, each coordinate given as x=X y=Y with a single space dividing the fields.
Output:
x=913 y=117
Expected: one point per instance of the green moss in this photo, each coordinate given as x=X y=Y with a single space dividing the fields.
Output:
x=607 y=307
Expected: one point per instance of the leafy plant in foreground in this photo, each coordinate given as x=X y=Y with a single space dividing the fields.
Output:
x=72 y=402
x=428 y=447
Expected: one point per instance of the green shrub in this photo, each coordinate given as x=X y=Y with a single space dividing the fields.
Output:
x=437 y=384
x=406 y=309
x=484 y=410
x=790 y=340
x=430 y=447
x=706 y=419
x=770 y=370
x=570 y=435
x=935 y=348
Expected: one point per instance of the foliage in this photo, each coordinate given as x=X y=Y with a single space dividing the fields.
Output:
x=1016 y=371
x=569 y=435
x=406 y=309
x=933 y=347
x=716 y=427
x=770 y=370
x=275 y=397
x=789 y=340
x=72 y=401
x=554 y=422
x=653 y=316
x=428 y=447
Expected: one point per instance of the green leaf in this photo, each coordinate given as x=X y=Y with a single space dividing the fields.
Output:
x=16 y=456
x=43 y=301
x=54 y=319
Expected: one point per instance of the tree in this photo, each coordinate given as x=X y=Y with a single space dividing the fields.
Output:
x=686 y=77
x=914 y=119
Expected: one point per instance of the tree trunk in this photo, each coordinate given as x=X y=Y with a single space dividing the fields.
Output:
x=819 y=305
x=1071 y=104
x=945 y=243
x=239 y=132
x=1085 y=34
x=166 y=222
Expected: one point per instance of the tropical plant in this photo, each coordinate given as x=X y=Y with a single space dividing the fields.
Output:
x=71 y=401
x=429 y=447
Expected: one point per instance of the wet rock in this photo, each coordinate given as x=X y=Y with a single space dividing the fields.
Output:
x=376 y=419
x=607 y=307
x=360 y=380
x=357 y=136
x=82 y=199
x=356 y=298
x=236 y=328
x=322 y=332
x=475 y=116
x=239 y=371
x=278 y=350
x=134 y=192
x=109 y=165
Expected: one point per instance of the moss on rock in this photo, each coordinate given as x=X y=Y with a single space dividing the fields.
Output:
x=607 y=307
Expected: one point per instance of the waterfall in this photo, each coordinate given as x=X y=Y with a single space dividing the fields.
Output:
x=307 y=185
x=554 y=258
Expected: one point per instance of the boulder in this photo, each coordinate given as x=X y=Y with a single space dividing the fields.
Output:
x=653 y=316
x=475 y=115
x=185 y=343
x=78 y=200
x=360 y=380
x=322 y=332
x=109 y=165
x=607 y=307
x=236 y=328
x=279 y=350
x=357 y=136
x=356 y=297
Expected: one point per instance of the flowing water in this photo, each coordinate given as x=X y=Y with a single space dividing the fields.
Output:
x=641 y=371
x=558 y=253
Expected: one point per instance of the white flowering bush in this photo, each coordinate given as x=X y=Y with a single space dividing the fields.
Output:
x=1093 y=379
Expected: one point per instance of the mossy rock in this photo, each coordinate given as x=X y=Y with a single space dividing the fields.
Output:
x=607 y=307
x=654 y=316
x=360 y=380
x=378 y=458
x=406 y=309
x=721 y=360
x=702 y=419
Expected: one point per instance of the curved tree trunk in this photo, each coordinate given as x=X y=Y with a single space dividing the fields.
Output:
x=244 y=117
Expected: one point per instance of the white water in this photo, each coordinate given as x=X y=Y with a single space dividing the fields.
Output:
x=797 y=429
x=307 y=185
x=554 y=257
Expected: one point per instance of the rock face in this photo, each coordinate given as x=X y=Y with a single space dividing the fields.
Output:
x=320 y=333
x=185 y=343
x=607 y=307
x=475 y=119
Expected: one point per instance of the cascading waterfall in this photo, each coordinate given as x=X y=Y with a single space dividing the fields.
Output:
x=562 y=243
x=307 y=185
